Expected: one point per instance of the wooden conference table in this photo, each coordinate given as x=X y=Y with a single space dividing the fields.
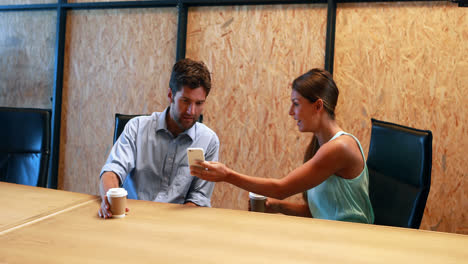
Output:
x=21 y=204
x=168 y=233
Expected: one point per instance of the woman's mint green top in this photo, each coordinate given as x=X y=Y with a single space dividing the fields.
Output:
x=343 y=199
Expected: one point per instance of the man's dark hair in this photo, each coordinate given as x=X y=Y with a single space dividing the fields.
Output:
x=190 y=73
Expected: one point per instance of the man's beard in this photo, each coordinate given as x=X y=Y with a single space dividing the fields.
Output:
x=177 y=119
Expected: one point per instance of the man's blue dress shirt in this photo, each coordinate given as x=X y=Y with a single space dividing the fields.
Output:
x=153 y=165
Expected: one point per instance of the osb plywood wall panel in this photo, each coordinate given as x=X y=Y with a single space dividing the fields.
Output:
x=27 y=43
x=254 y=53
x=407 y=63
x=117 y=61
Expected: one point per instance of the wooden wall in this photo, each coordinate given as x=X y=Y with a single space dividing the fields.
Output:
x=27 y=58
x=121 y=66
x=407 y=63
x=400 y=62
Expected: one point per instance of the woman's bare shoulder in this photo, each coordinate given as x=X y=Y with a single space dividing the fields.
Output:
x=349 y=154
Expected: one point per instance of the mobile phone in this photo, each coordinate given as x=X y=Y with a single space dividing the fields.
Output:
x=195 y=154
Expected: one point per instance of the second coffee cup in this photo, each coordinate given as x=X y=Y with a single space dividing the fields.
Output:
x=257 y=202
x=117 y=198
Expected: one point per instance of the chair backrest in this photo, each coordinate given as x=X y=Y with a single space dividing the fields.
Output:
x=400 y=163
x=122 y=119
x=24 y=145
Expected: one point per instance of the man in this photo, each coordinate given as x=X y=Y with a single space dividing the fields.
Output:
x=150 y=159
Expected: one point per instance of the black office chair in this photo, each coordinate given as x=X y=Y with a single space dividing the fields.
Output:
x=400 y=163
x=24 y=145
x=122 y=119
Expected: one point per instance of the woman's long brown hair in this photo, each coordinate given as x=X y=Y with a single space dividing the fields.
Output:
x=313 y=85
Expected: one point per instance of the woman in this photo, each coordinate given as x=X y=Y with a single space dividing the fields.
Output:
x=334 y=175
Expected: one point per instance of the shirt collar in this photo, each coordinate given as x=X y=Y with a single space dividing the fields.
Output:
x=162 y=121
x=163 y=126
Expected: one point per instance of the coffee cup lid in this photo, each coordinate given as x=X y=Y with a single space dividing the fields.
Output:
x=116 y=192
x=256 y=196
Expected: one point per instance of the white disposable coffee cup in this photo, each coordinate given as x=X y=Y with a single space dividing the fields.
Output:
x=257 y=202
x=117 y=198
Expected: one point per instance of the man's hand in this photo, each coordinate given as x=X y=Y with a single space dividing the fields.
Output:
x=104 y=211
x=108 y=180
